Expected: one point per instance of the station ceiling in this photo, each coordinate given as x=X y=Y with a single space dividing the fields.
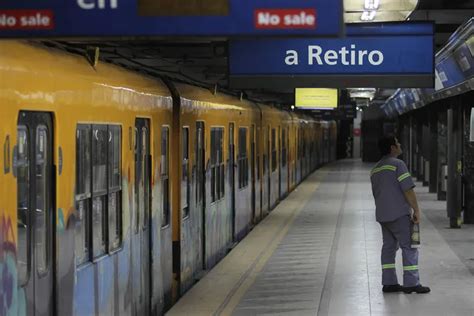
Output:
x=204 y=61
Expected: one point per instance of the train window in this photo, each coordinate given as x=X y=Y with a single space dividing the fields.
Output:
x=6 y=155
x=23 y=204
x=99 y=158
x=283 y=147
x=83 y=192
x=99 y=188
x=213 y=162
x=41 y=214
x=265 y=146
x=165 y=217
x=138 y=176
x=98 y=207
x=115 y=186
x=115 y=177
x=217 y=163
x=185 y=185
x=258 y=153
x=199 y=158
x=274 y=152
x=243 y=159
x=145 y=178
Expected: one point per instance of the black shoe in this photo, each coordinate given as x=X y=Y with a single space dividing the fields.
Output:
x=392 y=288
x=420 y=289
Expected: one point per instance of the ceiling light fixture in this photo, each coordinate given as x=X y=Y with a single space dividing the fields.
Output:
x=371 y=4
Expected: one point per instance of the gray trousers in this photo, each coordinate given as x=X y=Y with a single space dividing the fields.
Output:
x=397 y=234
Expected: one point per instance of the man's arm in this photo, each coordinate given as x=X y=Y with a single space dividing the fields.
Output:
x=411 y=198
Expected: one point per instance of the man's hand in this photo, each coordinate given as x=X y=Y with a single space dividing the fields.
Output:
x=411 y=199
x=415 y=217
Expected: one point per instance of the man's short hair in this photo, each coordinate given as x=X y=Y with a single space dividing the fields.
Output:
x=385 y=143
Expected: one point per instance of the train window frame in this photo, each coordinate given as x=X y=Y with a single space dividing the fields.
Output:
x=283 y=147
x=165 y=182
x=22 y=148
x=185 y=152
x=242 y=157
x=41 y=232
x=217 y=163
x=114 y=189
x=6 y=155
x=92 y=194
x=136 y=224
x=199 y=152
x=273 y=149
x=257 y=151
x=99 y=163
x=83 y=198
x=145 y=177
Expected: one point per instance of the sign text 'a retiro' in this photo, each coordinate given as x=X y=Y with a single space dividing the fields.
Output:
x=346 y=56
x=376 y=55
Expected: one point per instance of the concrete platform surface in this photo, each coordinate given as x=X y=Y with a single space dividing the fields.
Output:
x=318 y=253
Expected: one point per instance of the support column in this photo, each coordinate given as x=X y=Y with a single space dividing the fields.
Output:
x=412 y=154
x=433 y=182
x=426 y=140
x=468 y=163
x=442 y=152
x=453 y=191
x=419 y=148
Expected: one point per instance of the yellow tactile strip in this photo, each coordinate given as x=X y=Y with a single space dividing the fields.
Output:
x=223 y=287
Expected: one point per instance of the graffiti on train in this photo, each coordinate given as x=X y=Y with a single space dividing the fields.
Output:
x=12 y=300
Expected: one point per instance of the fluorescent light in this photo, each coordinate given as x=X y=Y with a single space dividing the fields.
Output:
x=368 y=15
x=371 y=4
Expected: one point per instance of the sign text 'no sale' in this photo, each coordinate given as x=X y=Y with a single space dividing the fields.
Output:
x=285 y=18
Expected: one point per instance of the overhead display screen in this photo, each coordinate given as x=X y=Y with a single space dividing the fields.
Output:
x=102 y=18
x=316 y=98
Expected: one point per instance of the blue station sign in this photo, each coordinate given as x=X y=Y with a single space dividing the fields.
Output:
x=379 y=55
x=108 y=18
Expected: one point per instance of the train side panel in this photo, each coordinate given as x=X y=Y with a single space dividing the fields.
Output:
x=222 y=171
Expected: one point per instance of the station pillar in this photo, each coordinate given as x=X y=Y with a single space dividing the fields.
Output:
x=433 y=152
x=454 y=167
x=468 y=159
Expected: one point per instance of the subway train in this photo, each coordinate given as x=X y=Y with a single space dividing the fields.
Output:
x=119 y=191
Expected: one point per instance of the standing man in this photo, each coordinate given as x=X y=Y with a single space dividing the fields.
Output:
x=392 y=187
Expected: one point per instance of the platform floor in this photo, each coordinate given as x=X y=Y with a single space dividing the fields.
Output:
x=318 y=253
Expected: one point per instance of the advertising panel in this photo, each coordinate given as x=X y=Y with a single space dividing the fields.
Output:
x=316 y=98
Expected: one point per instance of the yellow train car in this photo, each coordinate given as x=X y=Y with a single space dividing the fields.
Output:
x=83 y=191
x=218 y=176
x=119 y=191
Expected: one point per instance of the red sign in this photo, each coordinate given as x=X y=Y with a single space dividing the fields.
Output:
x=357 y=132
x=26 y=20
x=285 y=19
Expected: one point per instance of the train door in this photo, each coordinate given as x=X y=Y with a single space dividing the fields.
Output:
x=303 y=152
x=200 y=187
x=269 y=174
x=232 y=177
x=279 y=162
x=252 y=170
x=258 y=184
x=35 y=212
x=264 y=186
x=142 y=229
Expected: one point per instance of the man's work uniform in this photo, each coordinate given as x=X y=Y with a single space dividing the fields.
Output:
x=390 y=179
